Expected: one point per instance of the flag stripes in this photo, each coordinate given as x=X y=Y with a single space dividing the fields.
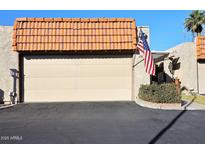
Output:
x=143 y=48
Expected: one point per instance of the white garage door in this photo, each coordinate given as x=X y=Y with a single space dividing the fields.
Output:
x=51 y=78
x=201 y=72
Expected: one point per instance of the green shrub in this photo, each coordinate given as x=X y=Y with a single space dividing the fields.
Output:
x=159 y=93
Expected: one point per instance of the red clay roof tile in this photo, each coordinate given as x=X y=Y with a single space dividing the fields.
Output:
x=68 y=34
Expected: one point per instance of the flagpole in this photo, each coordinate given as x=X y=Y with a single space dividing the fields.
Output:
x=138 y=63
x=135 y=55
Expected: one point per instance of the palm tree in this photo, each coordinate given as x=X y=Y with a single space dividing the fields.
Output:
x=195 y=21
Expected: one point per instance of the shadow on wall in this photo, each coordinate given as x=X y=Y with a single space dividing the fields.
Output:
x=15 y=76
x=173 y=66
x=1 y=96
x=168 y=78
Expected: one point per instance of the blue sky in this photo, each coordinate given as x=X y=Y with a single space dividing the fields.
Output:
x=166 y=27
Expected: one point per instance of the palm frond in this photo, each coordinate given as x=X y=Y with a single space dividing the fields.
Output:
x=195 y=21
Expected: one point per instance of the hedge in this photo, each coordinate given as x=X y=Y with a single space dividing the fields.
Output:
x=159 y=93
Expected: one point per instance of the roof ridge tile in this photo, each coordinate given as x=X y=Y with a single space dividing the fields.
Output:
x=75 y=19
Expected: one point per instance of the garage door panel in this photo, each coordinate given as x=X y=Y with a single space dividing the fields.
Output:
x=76 y=60
x=50 y=83
x=201 y=74
x=50 y=71
x=104 y=70
x=104 y=94
x=88 y=78
x=75 y=83
x=50 y=96
x=82 y=95
x=104 y=83
x=73 y=71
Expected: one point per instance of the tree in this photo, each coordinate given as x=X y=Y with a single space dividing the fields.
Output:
x=195 y=22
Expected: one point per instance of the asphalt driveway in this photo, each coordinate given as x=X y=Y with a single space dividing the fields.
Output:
x=99 y=122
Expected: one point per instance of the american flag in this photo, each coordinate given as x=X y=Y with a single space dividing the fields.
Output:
x=143 y=47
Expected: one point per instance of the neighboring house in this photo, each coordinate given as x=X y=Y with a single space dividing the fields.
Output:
x=189 y=65
x=185 y=67
x=8 y=60
x=71 y=59
x=200 y=47
x=191 y=71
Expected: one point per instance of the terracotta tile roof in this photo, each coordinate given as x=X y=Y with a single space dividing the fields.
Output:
x=74 y=34
x=200 y=47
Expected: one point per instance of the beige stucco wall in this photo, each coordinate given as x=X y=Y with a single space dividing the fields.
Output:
x=139 y=75
x=8 y=60
x=188 y=68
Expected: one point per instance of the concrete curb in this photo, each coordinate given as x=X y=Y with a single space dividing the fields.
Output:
x=186 y=106
x=161 y=106
x=193 y=106
x=7 y=106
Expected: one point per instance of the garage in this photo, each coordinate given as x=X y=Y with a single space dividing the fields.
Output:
x=51 y=78
x=75 y=59
x=201 y=76
x=200 y=53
